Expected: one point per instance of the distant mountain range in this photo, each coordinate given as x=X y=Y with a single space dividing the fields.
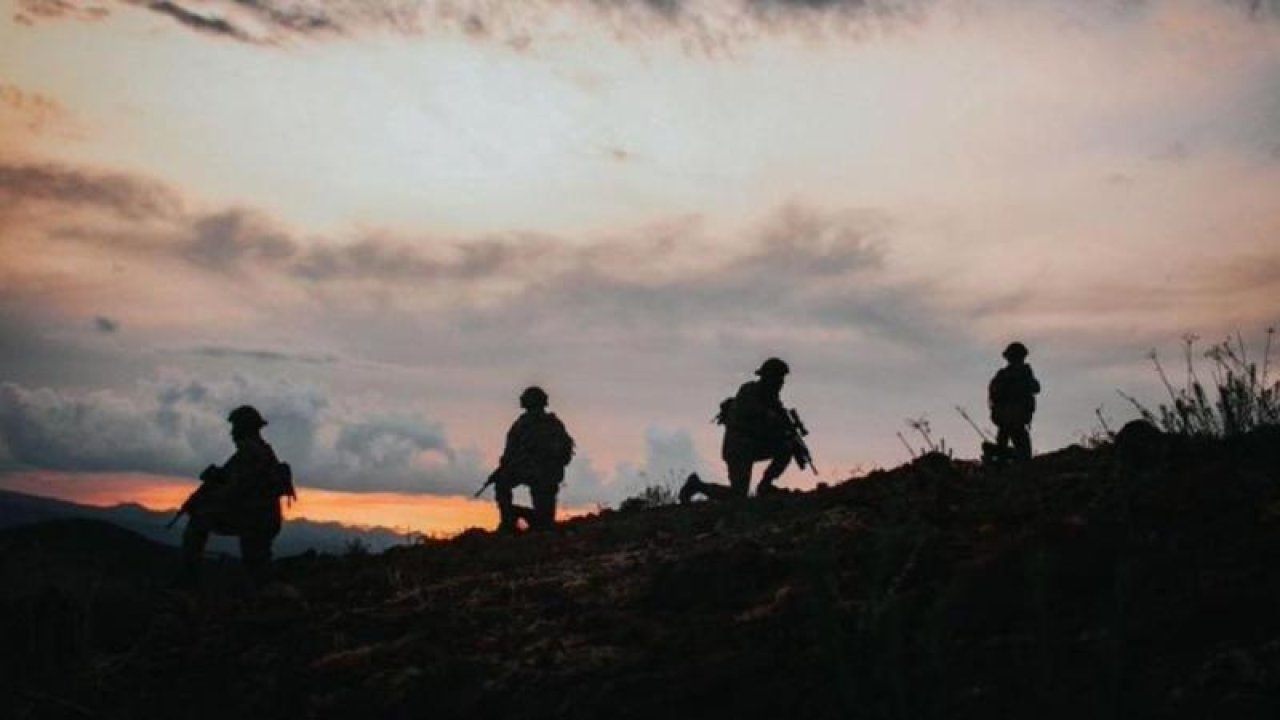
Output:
x=298 y=536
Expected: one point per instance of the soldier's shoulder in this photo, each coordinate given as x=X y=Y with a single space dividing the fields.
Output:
x=261 y=450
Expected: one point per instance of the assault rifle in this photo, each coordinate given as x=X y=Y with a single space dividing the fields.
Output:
x=493 y=477
x=800 y=450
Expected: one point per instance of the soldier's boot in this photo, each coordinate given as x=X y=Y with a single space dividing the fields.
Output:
x=777 y=466
x=507 y=520
x=693 y=485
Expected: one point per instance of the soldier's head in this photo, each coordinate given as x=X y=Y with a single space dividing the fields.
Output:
x=1016 y=353
x=773 y=371
x=533 y=398
x=245 y=421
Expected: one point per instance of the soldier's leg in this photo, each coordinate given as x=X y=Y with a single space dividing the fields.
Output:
x=543 y=516
x=1021 y=437
x=503 y=493
x=777 y=465
x=739 y=476
x=1002 y=439
x=694 y=486
x=194 y=537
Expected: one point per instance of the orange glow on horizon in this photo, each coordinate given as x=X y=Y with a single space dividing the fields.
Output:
x=433 y=515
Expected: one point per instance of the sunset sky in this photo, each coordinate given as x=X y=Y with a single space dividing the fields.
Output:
x=378 y=221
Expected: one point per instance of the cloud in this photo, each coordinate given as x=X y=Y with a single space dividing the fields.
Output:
x=224 y=240
x=260 y=355
x=105 y=324
x=29 y=10
x=670 y=455
x=126 y=196
x=196 y=21
x=33 y=112
x=704 y=25
x=177 y=426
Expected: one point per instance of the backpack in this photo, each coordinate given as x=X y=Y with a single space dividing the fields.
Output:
x=559 y=445
x=282 y=482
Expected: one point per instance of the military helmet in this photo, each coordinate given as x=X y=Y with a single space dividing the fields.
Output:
x=246 y=416
x=533 y=396
x=773 y=367
x=1016 y=350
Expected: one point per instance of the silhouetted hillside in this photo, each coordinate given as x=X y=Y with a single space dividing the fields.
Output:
x=1130 y=582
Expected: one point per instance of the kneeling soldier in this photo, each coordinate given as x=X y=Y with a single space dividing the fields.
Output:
x=241 y=498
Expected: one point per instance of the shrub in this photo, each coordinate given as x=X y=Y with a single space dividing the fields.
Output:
x=1241 y=395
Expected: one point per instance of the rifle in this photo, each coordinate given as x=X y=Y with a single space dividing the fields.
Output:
x=964 y=414
x=800 y=450
x=493 y=477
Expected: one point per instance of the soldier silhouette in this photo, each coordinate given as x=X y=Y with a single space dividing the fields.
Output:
x=1011 y=396
x=756 y=427
x=241 y=498
x=537 y=450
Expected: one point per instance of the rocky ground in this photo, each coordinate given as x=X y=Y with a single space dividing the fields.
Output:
x=1141 y=580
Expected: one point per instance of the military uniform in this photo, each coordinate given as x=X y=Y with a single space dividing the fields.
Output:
x=1011 y=396
x=241 y=498
x=538 y=447
x=756 y=428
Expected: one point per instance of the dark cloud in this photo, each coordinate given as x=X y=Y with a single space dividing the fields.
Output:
x=516 y=24
x=225 y=240
x=196 y=21
x=389 y=259
x=266 y=21
x=263 y=355
x=128 y=196
x=231 y=353
x=105 y=324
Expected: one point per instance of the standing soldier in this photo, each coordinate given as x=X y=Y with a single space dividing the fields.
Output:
x=756 y=427
x=538 y=449
x=241 y=498
x=1012 y=398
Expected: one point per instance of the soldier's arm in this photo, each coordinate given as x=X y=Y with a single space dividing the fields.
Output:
x=514 y=440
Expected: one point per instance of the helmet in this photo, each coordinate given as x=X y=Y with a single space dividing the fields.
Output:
x=246 y=416
x=773 y=367
x=533 y=396
x=1016 y=350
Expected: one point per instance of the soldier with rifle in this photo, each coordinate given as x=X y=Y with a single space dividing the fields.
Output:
x=241 y=498
x=537 y=450
x=756 y=427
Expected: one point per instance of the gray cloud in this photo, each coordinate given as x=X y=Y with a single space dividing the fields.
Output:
x=105 y=324
x=261 y=355
x=670 y=455
x=196 y=21
x=224 y=240
x=515 y=24
x=177 y=426
x=127 y=196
